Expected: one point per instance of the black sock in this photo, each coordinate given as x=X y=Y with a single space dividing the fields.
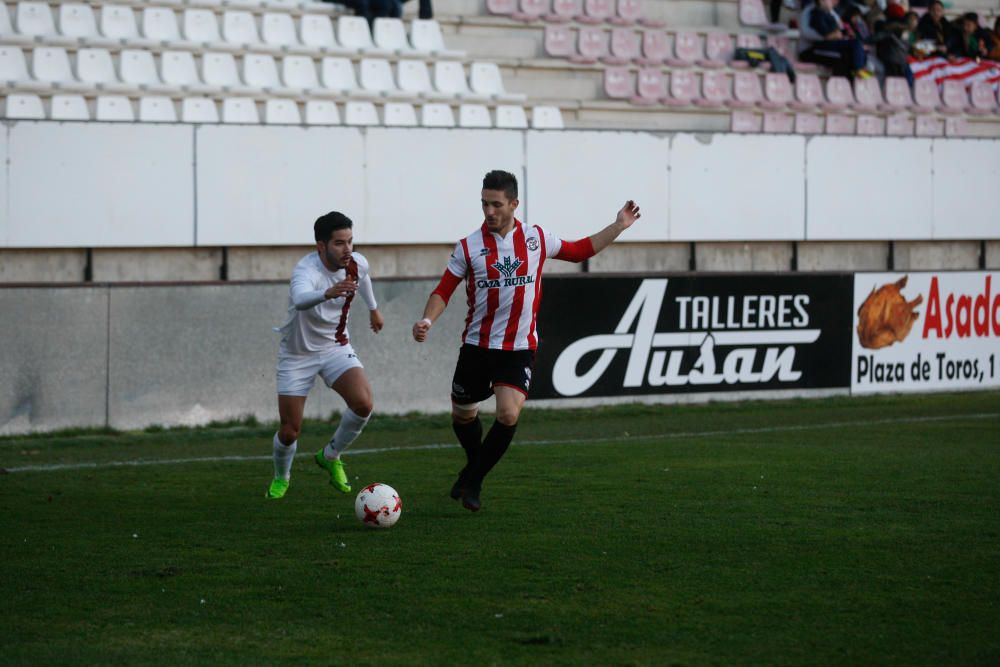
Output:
x=470 y=435
x=494 y=447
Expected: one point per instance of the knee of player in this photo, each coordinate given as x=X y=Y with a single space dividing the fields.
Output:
x=508 y=416
x=288 y=433
x=363 y=407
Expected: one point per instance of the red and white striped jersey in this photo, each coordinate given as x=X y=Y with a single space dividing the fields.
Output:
x=503 y=284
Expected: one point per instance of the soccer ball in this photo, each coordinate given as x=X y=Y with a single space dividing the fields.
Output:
x=378 y=506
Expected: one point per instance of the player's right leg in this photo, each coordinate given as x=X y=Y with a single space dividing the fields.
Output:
x=290 y=410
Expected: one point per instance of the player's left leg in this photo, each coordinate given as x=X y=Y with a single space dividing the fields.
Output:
x=497 y=441
x=354 y=387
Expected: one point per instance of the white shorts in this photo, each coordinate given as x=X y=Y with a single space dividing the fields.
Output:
x=297 y=372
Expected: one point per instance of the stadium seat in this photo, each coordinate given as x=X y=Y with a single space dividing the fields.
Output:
x=808 y=124
x=744 y=122
x=95 y=66
x=485 y=79
x=35 y=19
x=118 y=23
x=155 y=109
x=239 y=111
x=449 y=77
x=68 y=107
x=546 y=118
x=955 y=126
x=840 y=124
x=260 y=71
x=239 y=27
x=316 y=31
x=159 y=24
x=597 y=11
x=808 y=93
x=718 y=50
x=399 y=114
x=413 y=77
x=77 y=20
x=899 y=125
x=177 y=68
x=897 y=94
x=137 y=68
x=778 y=122
x=14 y=71
x=752 y=13
x=426 y=37
x=23 y=106
x=984 y=102
x=564 y=11
x=591 y=45
x=299 y=72
x=199 y=110
x=870 y=125
x=321 y=112
x=954 y=97
x=777 y=91
x=716 y=90
x=7 y=32
x=389 y=34
x=353 y=33
x=375 y=76
x=618 y=83
x=926 y=97
x=650 y=86
x=868 y=96
x=531 y=10
x=683 y=89
x=200 y=26
x=436 y=115
x=474 y=115
x=838 y=94
x=336 y=73
x=51 y=64
x=747 y=92
x=501 y=7
x=219 y=70
x=687 y=49
x=281 y=112
x=655 y=48
x=278 y=30
x=114 y=108
x=929 y=126
x=360 y=113
x=624 y=46
x=627 y=12
x=511 y=116
x=559 y=41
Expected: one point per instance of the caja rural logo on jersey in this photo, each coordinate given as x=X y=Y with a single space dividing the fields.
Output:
x=508 y=267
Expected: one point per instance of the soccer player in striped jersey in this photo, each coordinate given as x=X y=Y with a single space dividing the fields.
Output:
x=501 y=265
x=314 y=341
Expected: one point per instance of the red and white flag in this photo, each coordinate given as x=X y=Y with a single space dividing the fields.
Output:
x=966 y=70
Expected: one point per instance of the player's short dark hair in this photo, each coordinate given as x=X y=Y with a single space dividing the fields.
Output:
x=501 y=180
x=327 y=224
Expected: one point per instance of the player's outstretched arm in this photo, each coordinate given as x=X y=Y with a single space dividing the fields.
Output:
x=375 y=320
x=626 y=217
x=435 y=306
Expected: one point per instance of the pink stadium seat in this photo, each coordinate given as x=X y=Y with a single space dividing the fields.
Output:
x=837 y=123
x=899 y=125
x=897 y=94
x=618 y=84
x=955 y=126
x=871 y=126
x=868 y=95
x=596 y=11
x=559 y=41
x=776 y=122
x=926 y=97
x=591 y=45
x=651 y=86
x=782 y=45
x=747 y=92
x=655 y=48
x=687 y=49
x=716 y=90
x=531 y=10
x=954 y=97
x=683 y=89
x=503 y=7
x=624 y=46
x=929 y=126
x=808 y=123
x=627 y=12
x=984 y=103
x=777 y=91
x=752 y=12
x=748 y=41
x=808 y=93
x=838 y=94
x=718 y=50
x=564 y=11
x=744 y=121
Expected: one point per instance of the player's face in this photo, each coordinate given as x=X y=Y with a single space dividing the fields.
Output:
x=498 y=210
x=336 y=253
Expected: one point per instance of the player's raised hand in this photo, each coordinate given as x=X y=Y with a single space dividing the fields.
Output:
x=344 y=288
x=376 y=320
x=420 y=330
x=628 y=214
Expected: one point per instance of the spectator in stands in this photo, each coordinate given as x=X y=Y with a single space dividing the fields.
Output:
x=373 y=9
x=995 y=51
x=855 y=26
x=969 y=41
x=934 y=29
x=910 y=20
x=823 y=40
x=892 y=50
x=424 y=9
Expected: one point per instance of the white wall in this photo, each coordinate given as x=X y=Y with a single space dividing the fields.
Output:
x=134 y=185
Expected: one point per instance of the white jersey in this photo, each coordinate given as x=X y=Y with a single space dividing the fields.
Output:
x=314 y=322
x=503 y=284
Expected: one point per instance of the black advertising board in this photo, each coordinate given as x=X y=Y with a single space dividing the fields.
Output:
x=627 y=336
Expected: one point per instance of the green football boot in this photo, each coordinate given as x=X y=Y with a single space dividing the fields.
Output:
x=338 y=478
x=277 y=489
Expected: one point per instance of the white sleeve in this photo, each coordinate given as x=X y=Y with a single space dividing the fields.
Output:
x=456 y=263
x=553 y=244
x=365 y=283
x=303 y=290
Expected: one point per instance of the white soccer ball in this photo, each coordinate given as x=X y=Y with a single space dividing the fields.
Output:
x=378 y=506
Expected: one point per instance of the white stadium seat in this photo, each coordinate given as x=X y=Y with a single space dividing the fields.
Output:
x=260 y=71
x=155 y=109
x=338 y=74
x=449 y=77
x=425 y=36
x=68 y=107
x=95 y=66
x=316 y=31
x=118 y=22
x=321 y=112
x=376 y=77
x=474 y=115
x=160 y=24
x=353 y=34
x=360 y=113
x=239 y=28
x=278 y=30
x=77 y=20
x=7 y=32
x=399 y=114
x=414 y=77
x=390 y=34
x=198 y=110
x=546 y=118
x=201 y=26
x=484 y=78
x=511 y=116
x=281 y=112
x=437 y=115
x=137 y=68
x=299 y=72
x=219 y=69
x=35 y=19
x=177 y=68
x=14 y=70
x=51 y=64
x=115 y=108
x=242 y=110
x=20 y=106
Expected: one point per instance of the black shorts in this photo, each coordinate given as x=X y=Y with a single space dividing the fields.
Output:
x=480 y=369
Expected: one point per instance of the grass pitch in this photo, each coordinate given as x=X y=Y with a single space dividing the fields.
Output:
x=861 y=531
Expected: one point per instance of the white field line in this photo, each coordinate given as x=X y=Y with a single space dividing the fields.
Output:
x=521 y=443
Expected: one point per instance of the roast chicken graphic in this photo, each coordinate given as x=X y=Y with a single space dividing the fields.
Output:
x=886 y=317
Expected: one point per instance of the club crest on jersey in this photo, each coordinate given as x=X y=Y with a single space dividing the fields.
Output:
x=532 y=243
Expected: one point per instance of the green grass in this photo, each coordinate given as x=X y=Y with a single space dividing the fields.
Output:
x=857 y=531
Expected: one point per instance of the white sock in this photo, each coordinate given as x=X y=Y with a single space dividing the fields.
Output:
x=283 y=456
x=347 y=432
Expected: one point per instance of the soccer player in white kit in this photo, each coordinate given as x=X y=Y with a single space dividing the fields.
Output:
x=314 y=341
x=501 y=264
